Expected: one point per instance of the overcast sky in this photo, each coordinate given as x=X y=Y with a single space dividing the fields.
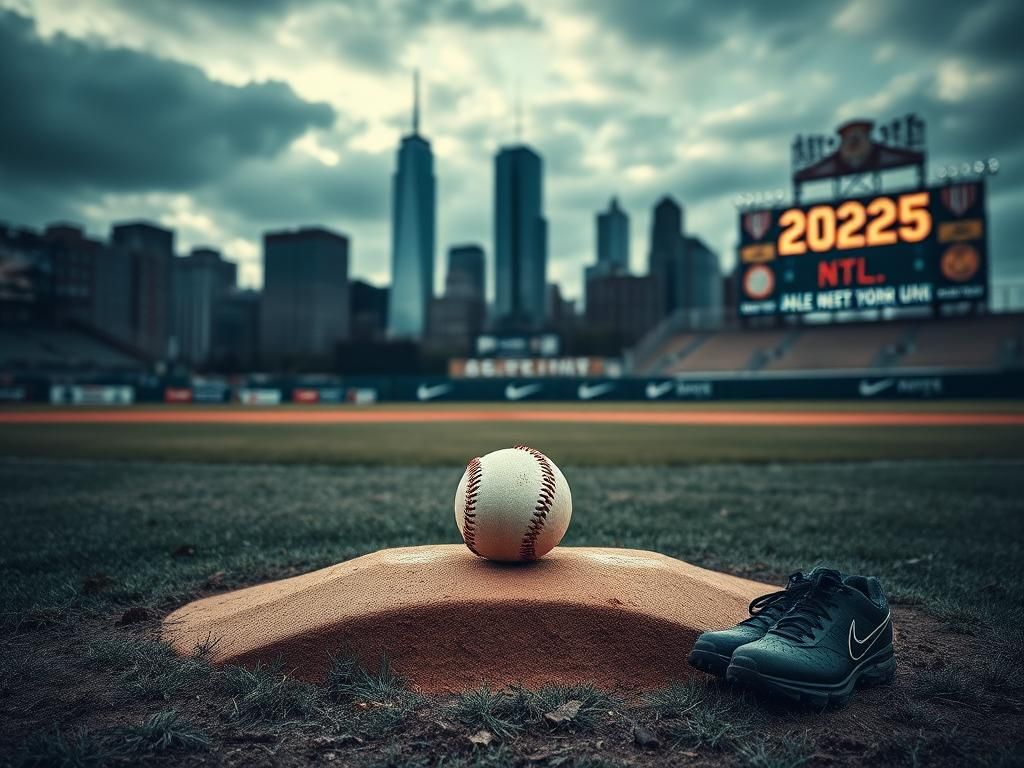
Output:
x=225 y=118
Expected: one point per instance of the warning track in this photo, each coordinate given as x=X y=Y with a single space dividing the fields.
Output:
x=710 y=417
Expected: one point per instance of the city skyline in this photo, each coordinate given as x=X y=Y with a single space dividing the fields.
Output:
x=296 y=128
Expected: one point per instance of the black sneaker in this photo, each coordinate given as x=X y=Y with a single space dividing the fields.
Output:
x=713 y=650
x=837 y=636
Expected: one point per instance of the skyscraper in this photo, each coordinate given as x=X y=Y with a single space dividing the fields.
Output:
x=150 y=251
x=613 y=237
x=114 y=301
x=466 y=272
x=612 y=246
x=236 y=331
x=687 y=271
x=369 y=306
x=458 y=317
x=72 y=258
x=412 y=232
x=703 y=277
x=305 y=308
x=520 y=238
x=201 y=281
x=622 y=307
x=666 y=254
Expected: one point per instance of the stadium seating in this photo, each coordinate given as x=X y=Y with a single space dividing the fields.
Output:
x=34 y=349
x=681 y=346
x=970 y=343
x=729 y=351
x=854 y=347
x=975 y=343
x=19 y=350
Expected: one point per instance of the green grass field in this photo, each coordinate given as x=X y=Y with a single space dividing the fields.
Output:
x=90 y=544
x=441 y=444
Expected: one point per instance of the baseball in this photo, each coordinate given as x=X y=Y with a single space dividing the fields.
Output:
x=512 y=504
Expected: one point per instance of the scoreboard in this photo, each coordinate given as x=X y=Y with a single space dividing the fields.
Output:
x=922 y=247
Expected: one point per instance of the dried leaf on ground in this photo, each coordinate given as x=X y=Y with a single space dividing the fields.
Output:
x=564 y=713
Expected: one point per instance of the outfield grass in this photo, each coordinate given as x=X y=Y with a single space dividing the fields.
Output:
x=441 y=444
x=86 y=542
x=945 y=532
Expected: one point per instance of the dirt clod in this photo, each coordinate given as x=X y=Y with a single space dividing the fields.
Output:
x=645 y=738
x=134 y=615
x=96 y=583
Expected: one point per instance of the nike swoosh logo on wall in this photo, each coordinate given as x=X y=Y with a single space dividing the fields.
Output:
x=870 y=389
x=512 y=392
x=423 y=392
x=654 y=391
x=859 y=646
x=587 y=392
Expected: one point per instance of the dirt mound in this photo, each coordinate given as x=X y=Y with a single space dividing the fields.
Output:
x=449 y=621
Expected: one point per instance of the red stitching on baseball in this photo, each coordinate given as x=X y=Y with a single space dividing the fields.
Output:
x=476 y=473
x=527 y=549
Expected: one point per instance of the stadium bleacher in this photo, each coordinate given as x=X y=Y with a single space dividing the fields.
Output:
x=842 y=348
x=676 y=347
x=974 y=344
x=988 y=342
x=36 y=349
x=728 y=351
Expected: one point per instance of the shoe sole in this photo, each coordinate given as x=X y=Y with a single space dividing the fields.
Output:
x=708 y=661
x=879 y=669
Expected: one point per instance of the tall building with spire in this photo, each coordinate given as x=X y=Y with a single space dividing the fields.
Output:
x=412 y=232
x=520 y=238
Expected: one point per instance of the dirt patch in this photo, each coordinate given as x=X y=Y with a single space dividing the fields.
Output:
x=450 y=621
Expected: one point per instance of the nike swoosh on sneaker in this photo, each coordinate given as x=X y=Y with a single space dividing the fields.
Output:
x=859 y=646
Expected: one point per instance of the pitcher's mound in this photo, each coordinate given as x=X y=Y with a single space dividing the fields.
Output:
x=449 y=621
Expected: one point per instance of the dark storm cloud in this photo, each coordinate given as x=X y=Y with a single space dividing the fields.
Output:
x=982 y=36
x=301 y=189
x=562 y=152
x=694 y=27
x=646 y=139
x=369 y=33
x=989 y=30
x=184 y=14
x=374 y=34
x=119 y=119
x=469 y=13
x=414 y=13
x=980 y=124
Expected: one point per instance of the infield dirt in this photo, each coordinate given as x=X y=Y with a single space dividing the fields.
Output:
x=425 y=415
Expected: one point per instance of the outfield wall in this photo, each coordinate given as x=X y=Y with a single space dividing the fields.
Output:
x=270 y=391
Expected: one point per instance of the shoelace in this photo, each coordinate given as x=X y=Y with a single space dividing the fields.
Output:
x=809 y=613
x=767 y=609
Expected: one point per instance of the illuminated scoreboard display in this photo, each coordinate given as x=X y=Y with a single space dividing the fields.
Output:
x=918 y=248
